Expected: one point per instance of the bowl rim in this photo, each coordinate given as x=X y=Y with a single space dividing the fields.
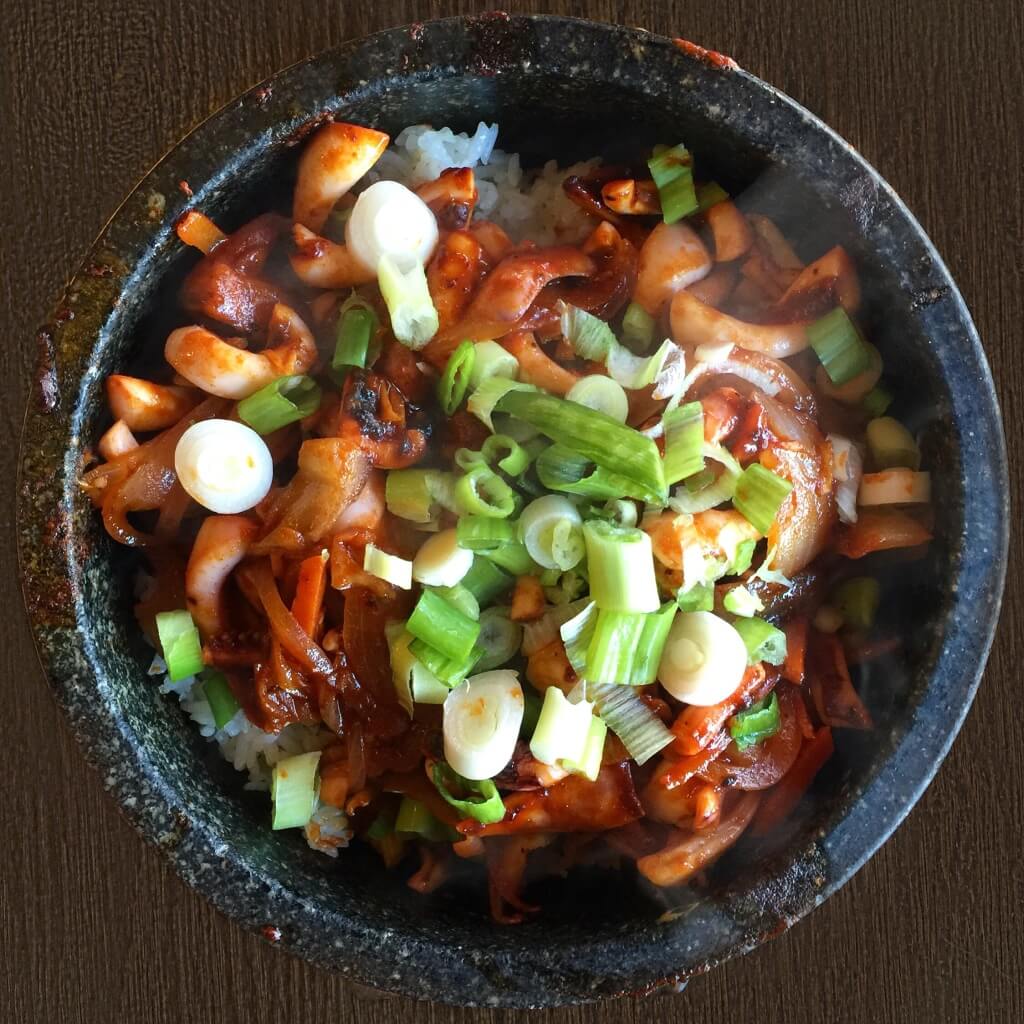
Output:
x=66 y=651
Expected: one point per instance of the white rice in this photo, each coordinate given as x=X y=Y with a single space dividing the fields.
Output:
x=529 y=205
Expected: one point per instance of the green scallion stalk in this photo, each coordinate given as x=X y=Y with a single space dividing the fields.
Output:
x=684 y=441
x=413 y=316
x=454 y=382
x=577 y=633
x=222 y=701
x=293 y=790
x=638 y=328
x=619 y=511
x=513 y=558
x=642 y=732
x=283 y=401
x=482 y=533
x=653 y=636
x=468 y=460
x=568 y=587
x=613 y=446
x=589 y=763
x=857 y=600
x=532 y=705
x=484 y=804
x=418 y=495
x=382 y=826
x=481 y=492
x=877 y=401
x=492 y=361
x=892 y=445
x=698 y=598
x=485 y=581
x=620 y=563
x=561 y=469
x=602 y=394
x=443 y=626
x=615 y=640
x=461 y=598
x=450 y=671
x=759 y=722
x=763 y=641
x=710 y=194
x=413 y=819
x=672 y=171
x=486 y=396
x=759 y=496
x=740 y=601
x=390 y=568
x=693 y=498
x=500 y=638
x=839 y=346
x=506 y=453
x=743 y=557
x=698 y=481
x=357 y=325
x=180 y=644
x=562 y=729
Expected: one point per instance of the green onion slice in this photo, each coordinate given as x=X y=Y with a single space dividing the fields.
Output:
x=492 y=361
x=620 y=563
x=220 y=698
x=485 y=805
x=642 y=732
x=500 y=638
x=684 y=441
x=589 y=763
x=877 y=401
x=513 y=558
x=857 y=600
x=180 y=644
x=413 y=818
x=454 y=382
x=443 y=626
x=487 y=395
x=759 y=722
x=763 y=641
x=759 y=496
x=892 y=445
x=692 y=498
x=740 y=601
x=672 y=171
x=481 y=492
x=561 y=469
x=839 y=346
x=357 y=325
x=418 y=495
x=483 y=533
x=283 y=401
x=710 y=194
x=413 y=316
x=698 y=598
x=600 y=393
x=293 y=790
x=638 y=328
x=576 y=633
x=461 y=598
x=507 y=454
x=450 y=671
x=485 y=581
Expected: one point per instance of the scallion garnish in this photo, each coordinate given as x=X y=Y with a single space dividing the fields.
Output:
x=283 y=401
x=484 y=804
x=513 y=558
x=613 y=446
x=638 y=328
x=759 y=496
x=492 y=361
x=550 y=530
x=892 y=445
x=443 y=627
x=450 y=671
x=357 y=324
x=857 y=600
x=763 y=641
x=561 y=469
x=626 y=647
x=740 y=601
x=642 y=732
x=576 y=633
x=698 y=598
x=620 y=563
x=413 y=316
x=414 y=819
x=710 y=194
x=589 y=763
x=562 y=729
x=390 y=568
x=481 y=492
x=877 y=401
x=506 y=453
x=693 y=498
x=418 y=494
x=485 y=581
x=180 y=644
x=223 y=704
x=672 y=171
x=759 y=722
x=839 y=346
x=483 y=533
x=293 y=790
x=601 y=393
x=684 y=441
x=488 y=393
x=461 y=598
x=500 y=638
x=742 y=559
x=454 y=382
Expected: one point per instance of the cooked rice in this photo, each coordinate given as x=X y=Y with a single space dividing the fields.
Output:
x=529 y=206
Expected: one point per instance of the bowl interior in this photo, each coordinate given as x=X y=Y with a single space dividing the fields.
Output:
x=576 y=92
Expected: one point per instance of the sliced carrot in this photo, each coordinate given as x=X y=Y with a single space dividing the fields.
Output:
x=781 y=801
x=796 y=651
x=309 y=593
x=527 y=600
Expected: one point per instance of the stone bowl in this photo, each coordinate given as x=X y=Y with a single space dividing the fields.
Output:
x=567 y=89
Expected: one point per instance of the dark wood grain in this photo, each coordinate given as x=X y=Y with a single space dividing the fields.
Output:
x=95 y=928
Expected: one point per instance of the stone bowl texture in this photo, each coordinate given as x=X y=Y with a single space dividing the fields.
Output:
x=566 y=89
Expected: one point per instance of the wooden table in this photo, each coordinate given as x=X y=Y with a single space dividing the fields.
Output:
x=95 y=928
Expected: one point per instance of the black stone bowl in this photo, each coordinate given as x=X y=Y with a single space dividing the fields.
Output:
x=568 y=89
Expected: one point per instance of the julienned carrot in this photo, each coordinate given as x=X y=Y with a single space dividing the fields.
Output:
x=309 y=593
x=796 y=651
x=535 y=367
x=696 y=726
x=781 y=800
x=198 y=230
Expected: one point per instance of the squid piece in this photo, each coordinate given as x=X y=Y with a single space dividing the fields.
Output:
x=334 y=159
x=631 y=196
x=452 y=197
x=687 y=853
x=694 y=323
x=536 y=367
x=321 y=263
x=673 y=258
x=219 y=368
x=453 y=275
x=220 y=545
x=493 y=240
x=712 y=535
x=714 y=289
x=143 y=405
x=732 y=233
x=116 y=441
x=833 y=274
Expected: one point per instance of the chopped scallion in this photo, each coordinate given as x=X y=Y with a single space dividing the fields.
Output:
x=443 y=626
x=759 y=496
x=576 y=634
x=839 y=346
x=506 y=453
x=589 y=764
x=672 y=171
x=562 y=729
x=415 y=820
x=180 y=644
x=357 y=324
x=454 y=382
x=684 y=441
x=293 y=790
x=642 y=732
x=485 y=581
x=484 y=804
x=450 y=671
x=763 y=641
x=413 y=316
x=620 y=563
x=462 y=598
x=892 y=445
x=482 y=533
x=602 y=394
x=740 y=601
x=759 y=722
x=223 y=704
x=283 y=401
x=481 y=492
x=638 y=328
x=857 y=600
x=698 y=598
x=742 y=559
x=561 y=469
x=877 y=401
x=390 y=568
x=513 y=558
x=492 y=361
x=710 y=194
x=500 y=638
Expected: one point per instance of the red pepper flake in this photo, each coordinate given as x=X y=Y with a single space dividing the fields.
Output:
x=185 y=187
x=710 y=57
x=271 y=933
